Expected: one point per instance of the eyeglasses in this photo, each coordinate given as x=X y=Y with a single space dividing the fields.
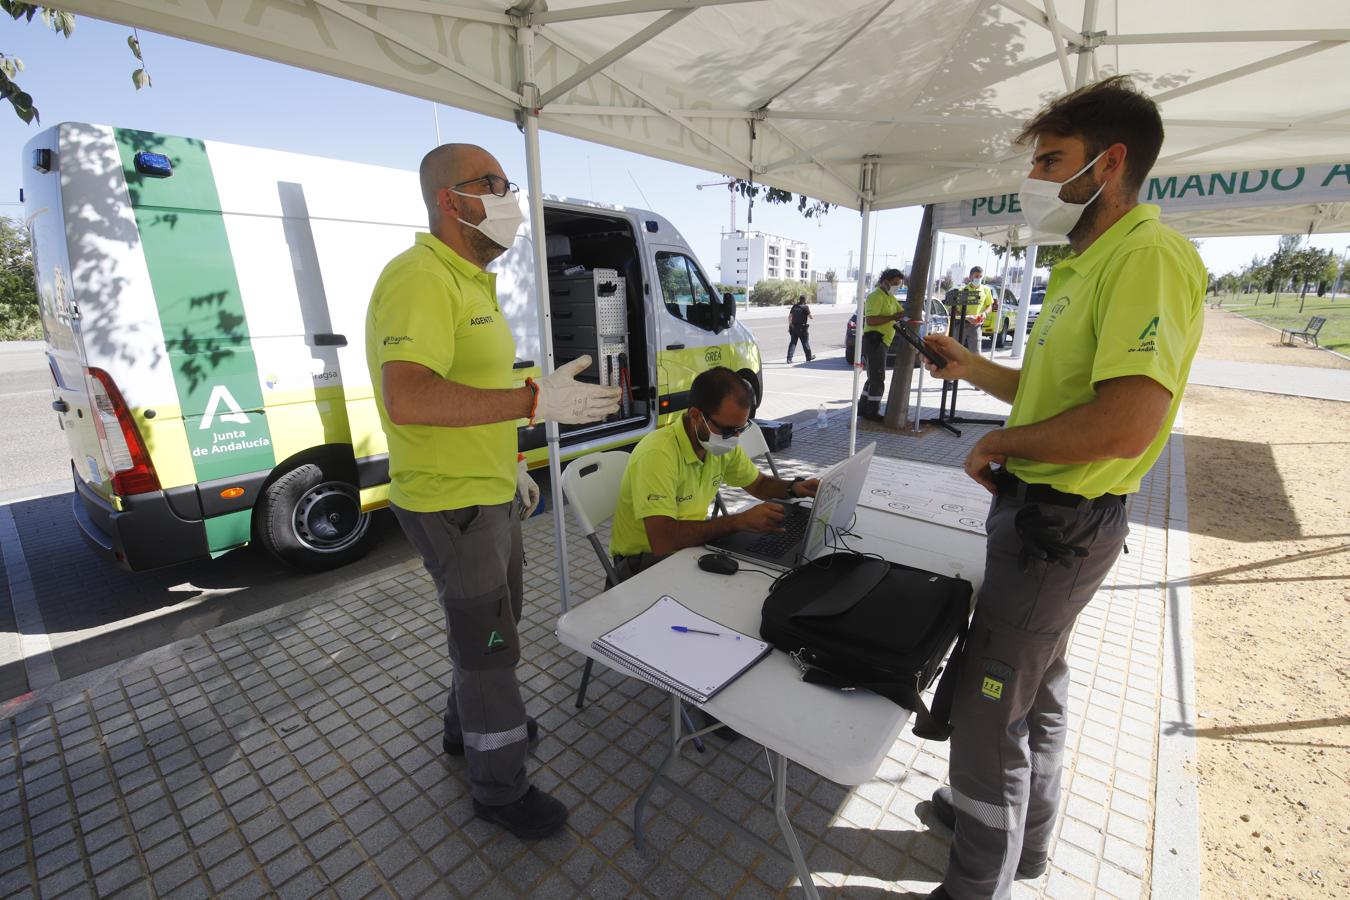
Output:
x=497 y=185
x=726 y=432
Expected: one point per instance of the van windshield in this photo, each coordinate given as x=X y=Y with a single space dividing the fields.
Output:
x=687 y=295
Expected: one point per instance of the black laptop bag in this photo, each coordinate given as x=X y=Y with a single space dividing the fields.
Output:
x=852 y=621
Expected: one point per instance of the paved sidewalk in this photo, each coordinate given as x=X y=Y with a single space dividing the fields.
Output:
x=1295 y=381
x=296 y=754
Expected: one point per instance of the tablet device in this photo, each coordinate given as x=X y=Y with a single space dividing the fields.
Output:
x=918 y=344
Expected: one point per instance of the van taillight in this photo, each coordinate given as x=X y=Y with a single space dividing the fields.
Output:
x=133 y=473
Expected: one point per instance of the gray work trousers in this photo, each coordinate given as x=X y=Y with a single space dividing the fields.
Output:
x=973 y=336
x=474 y=558
x=874 y=359
x=628 y=566
x=1009 y=714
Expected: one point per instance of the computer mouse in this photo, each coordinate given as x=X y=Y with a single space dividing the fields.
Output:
x=718 y=564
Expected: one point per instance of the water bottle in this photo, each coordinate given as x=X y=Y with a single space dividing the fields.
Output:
x=822 y=418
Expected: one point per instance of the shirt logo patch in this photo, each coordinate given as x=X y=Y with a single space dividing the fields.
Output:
x=652 y=498
x=683 y=498
x=495 y=642
x=481 y=320
x=395 y=340
x=1147 y=344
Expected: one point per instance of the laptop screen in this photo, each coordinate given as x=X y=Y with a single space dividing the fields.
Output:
x=836 y=499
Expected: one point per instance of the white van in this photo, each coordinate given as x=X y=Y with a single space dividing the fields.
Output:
x=204 y=307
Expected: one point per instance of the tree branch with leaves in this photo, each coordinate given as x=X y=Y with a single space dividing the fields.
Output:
x=63 y=23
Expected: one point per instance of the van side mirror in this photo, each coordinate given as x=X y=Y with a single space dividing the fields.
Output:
x=728 y=309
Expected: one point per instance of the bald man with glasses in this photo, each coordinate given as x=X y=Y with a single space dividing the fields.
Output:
x=441 y=355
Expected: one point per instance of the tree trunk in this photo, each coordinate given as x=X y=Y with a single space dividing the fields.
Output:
x=897 y=396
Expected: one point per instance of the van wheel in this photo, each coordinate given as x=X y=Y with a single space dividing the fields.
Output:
x=310 y=521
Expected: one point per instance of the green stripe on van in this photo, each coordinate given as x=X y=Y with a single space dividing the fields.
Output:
x=200 y=309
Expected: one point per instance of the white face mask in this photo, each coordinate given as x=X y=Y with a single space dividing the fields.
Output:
x=502 y=217
x=1045 y=212
x=976 y=280
x=717 y=445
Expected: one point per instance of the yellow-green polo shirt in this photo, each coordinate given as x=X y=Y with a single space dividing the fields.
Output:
x=433 y=307
x=665 y=477
x=1131 y=304
x=986 y=300
x=880 y=303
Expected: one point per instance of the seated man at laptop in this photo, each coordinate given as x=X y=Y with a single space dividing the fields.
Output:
x=675 y=472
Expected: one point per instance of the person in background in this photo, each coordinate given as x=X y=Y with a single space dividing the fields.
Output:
x=1092 y=409
x=799 y=327
x=976 y=309
x=880 y=313
x=441 y=358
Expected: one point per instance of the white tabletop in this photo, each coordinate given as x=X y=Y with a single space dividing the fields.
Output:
x=842 y=735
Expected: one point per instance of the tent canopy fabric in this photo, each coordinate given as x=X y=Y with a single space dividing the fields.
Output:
x=798 y=94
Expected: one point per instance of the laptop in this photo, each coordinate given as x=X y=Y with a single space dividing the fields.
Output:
x=804 y=528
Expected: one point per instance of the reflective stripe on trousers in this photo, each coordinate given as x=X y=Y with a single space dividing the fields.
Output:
x=1009 y=714
x=474 y=558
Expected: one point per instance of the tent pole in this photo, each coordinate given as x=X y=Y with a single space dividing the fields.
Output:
x=1024 y=302
x=1088 y=51
x=1002 y=292
x=529 y=112
x=866 y=177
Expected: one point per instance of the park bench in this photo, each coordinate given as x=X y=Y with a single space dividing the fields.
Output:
x=1308 y=335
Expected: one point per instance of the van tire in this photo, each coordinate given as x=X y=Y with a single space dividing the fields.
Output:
x=311 y=521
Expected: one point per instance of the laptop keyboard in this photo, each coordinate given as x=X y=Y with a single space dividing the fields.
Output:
x=794 y=525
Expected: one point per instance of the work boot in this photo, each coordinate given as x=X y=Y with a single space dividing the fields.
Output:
x=456 y=747
x=535 y=815
x=1030 y=866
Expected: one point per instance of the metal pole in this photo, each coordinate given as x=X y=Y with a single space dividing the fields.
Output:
x=1024 y=302
x=535 y=187
x=929 y=299
x=868 y=169
x=1085 y=55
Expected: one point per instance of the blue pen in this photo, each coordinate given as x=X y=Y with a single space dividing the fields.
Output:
x=685 y=629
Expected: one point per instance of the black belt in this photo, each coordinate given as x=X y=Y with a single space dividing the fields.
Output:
x=1014 y=488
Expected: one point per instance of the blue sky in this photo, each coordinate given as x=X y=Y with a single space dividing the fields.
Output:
x=204 y=92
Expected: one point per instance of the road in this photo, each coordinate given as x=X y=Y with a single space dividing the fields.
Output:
x=92 y=614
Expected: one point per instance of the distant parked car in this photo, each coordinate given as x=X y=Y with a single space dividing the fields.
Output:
x=1006 y=316
x=936 y=325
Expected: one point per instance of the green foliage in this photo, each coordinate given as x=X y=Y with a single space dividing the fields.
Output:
x=63 y=23
x=807 y=206
x=781 y=292
x=1047 y=257
x=20 y=317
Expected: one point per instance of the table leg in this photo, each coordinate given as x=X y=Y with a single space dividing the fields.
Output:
x=676 y=720
x=785 y=826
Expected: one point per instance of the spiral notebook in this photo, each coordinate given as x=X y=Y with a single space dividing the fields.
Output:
x=696 y=666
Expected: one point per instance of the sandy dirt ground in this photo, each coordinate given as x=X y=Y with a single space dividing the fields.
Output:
x=1269 y=503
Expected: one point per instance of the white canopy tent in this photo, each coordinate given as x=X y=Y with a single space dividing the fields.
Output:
x=870 y=104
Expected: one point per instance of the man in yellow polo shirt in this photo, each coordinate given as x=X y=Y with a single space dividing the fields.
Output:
x=1092 y=408
x=881 y=311
x=440 y=353
x=675 y=472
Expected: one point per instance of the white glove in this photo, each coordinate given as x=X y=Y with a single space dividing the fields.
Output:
x=527 y=489
x=564 y=399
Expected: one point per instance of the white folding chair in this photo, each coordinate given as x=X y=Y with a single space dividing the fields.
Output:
x=754 y=445
x=591 y=484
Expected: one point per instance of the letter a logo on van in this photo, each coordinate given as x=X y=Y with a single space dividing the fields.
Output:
x=220 y=394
